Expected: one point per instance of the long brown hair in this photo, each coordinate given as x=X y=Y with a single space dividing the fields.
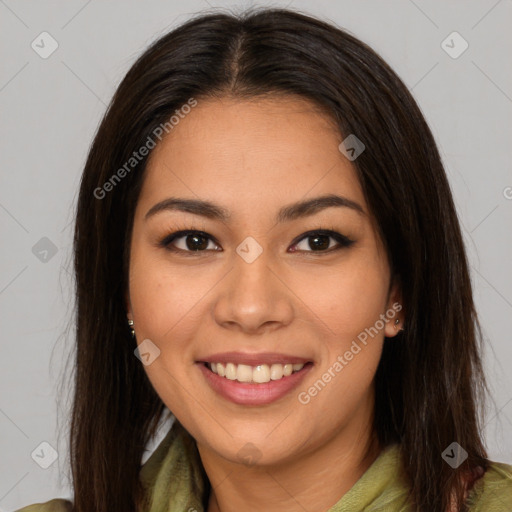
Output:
x=429 y=383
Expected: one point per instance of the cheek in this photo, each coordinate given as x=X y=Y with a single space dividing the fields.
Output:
x=165 y=300
x=349 y=299
x=348 y=391
x=166 y=310
x=352 y=345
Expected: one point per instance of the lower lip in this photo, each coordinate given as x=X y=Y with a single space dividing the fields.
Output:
x=244 y=393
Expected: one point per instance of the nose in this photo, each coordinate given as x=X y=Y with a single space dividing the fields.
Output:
x=254 y=297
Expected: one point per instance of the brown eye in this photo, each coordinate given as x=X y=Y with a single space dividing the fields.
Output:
x=320 y=241
x=189 y=241
x=196 y=242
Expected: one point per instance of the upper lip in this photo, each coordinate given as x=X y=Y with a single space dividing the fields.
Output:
x=253 y=359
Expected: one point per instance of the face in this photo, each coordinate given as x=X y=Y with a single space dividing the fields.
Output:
x=259 y=285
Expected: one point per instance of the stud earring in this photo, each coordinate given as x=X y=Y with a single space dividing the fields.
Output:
x=130 y=323
x=397 y=321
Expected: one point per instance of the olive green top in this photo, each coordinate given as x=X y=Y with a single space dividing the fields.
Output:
x=175 y=480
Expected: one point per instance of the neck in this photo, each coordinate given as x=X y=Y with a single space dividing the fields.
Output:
x=316 y=480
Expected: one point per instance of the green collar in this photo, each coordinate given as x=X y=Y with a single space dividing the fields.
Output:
x=175 y=480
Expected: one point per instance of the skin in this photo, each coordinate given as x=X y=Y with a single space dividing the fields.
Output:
x=252 y=158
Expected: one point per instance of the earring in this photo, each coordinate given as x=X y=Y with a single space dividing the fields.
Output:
x=130 y=323
x=397 y=321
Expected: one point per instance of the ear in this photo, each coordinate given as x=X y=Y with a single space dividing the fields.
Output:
x=394 y=311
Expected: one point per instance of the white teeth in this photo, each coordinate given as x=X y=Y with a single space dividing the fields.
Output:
x=261 y=373
x=230 y=371
x=276 y=371
x=255 y=374
x=243 y=373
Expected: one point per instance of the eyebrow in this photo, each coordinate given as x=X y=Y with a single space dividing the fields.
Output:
x=287 y=213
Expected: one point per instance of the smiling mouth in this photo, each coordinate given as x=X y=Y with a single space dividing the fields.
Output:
x=259 y=374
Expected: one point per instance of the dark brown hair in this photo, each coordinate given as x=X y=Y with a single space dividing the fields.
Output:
x=429 y=382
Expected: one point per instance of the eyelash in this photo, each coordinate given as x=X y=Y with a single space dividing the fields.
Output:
x=343 y=241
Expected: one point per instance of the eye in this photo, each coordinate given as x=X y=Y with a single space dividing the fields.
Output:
x=189 y=241
x=195 y=241
x=320 y=241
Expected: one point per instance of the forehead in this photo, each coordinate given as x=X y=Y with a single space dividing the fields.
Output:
x=247 y=154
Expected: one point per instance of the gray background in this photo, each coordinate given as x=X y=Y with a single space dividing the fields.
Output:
x=50 y=109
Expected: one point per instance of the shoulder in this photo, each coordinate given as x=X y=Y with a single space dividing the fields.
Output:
x=56 y=505
x=493 y=491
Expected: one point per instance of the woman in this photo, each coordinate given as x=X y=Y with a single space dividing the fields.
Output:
x=266 y=245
